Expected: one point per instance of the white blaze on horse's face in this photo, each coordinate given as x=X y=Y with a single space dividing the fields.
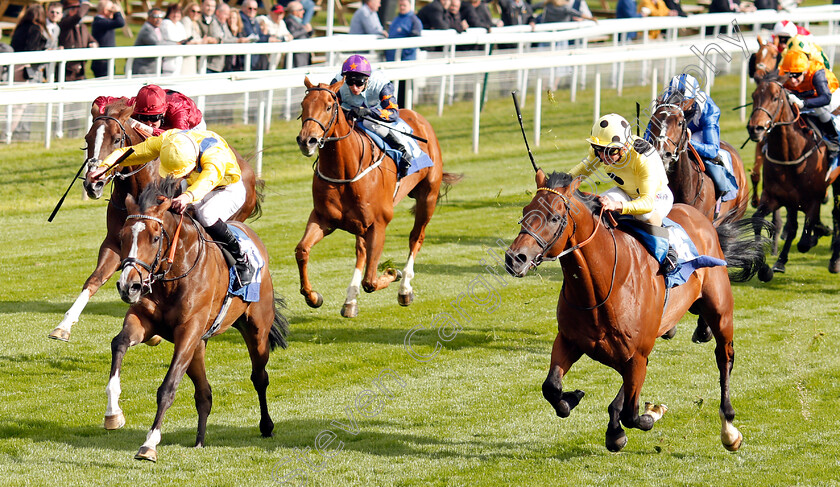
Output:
x=135 y=232
x=98 y=139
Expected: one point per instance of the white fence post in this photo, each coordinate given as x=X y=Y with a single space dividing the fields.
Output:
x=476 y=112
x=537 y=111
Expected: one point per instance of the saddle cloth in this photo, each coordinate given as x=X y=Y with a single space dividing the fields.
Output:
x=723 y=176
x=688 y=259
x=251 y=291
x=421 y=159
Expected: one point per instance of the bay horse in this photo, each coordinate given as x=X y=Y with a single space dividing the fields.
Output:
x=112 y=129
x=686 y=176
x=178 y=298
x=766 y=59
x=795 y=177
x=355 y=191
x=612 y=309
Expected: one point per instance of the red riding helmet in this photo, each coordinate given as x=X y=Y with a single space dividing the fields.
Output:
x=150 y=100
x=356 y=64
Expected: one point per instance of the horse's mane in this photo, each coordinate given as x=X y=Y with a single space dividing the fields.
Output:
x=116 y=106
x=563 y=180
x=774 y=76
x=169 y=187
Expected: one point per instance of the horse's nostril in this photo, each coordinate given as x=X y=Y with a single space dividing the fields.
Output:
x=135 y=288
x=312 y=141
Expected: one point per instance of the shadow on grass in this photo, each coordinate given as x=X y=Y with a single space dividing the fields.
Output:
x=108 y=308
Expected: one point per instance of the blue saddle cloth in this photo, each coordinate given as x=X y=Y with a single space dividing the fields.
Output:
x=688 y=259
x=421 y=159
x=250 y=292
x=723 y=176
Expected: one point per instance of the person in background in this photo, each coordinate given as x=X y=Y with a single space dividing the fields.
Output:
x=453 y=16
x=626 y=9
x=477 y=14
x=54 y=14
x=173 y=33
x=251 y=29
x=223 y=14
x=30 y=34
x=190 y=14
x=405 y=24
x=108 y=19
x=149 y=35
x=366 y=20
x=274 y=24
x=234 y=23
x=676 y=6
x=655 y=8
x=433 y=15
x=74 y=34
x=299 y=30
x=517 y=12
x=211 y=33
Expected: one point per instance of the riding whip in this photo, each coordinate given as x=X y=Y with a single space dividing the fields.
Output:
x=521 y=126
x=61 y=201
x=638 y=120
x=415 y=137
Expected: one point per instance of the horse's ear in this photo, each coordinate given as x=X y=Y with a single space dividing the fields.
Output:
x=308 y=84
x=687 y=104
x=335 y=86
x=131 y=205
x=164 y=204
x=541 y=178
x=126 y=112
x=761 y=41
x=576 y=182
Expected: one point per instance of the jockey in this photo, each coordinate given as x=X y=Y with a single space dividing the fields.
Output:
x=703 y=127
x=783 y=31
x=215 y=188
x=161 y=109
x=813 y=87
x=370 y=95
x=806 y=44
x=637 y=170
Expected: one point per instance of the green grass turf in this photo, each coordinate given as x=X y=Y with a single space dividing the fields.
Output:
x=473 y=415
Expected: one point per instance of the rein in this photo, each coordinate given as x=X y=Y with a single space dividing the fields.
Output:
x=773 y=124
x=680 y=147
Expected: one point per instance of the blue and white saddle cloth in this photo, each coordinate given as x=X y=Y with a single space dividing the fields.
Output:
x=723 y=176
x=688 y=259
x=250 y=292
x=421 y=159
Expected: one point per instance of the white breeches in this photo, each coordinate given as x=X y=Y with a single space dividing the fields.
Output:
x=662 y=205
x=220 y=204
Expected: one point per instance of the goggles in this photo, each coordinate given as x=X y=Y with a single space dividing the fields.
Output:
x=149 y=118
x=610 y=151
x=794 y=75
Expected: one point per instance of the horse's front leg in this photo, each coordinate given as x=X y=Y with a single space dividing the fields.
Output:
x=563 y=355
x=203 y=393
x=374 y=239
x=350 y=309
x=791 y=228
x=186 y=338
x=426 y=202
x=834 y=263
x=316 y=230
x=135 y=330
x=755 y=176
x=106 y=266
x=633 y=374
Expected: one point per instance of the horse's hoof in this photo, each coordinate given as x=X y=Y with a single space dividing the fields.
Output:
x=834 y=266
x=146 y=453
x=702 y=333
x=779 y=267
x=394 y=272
x=405 y=299
x=350 y=310
x=154 y=341
x=670 y=333
x=804 y=246
x=616 y=444
x=60 y=334
x=115 y=421
x=736 y=445
x=655 y=411
x=765 y=274
x=317 y=302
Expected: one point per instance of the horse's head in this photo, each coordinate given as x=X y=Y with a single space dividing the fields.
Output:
x=107 y=134
x=765 y=58
x=143 y=239
x=545 y=228
x=770 y=107
x=669 y=130
x=320 y=114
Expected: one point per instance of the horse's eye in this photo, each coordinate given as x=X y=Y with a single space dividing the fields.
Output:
x=155 y=239
x=555 y=218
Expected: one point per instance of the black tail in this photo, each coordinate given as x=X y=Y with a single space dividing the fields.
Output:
x=259 y=188
x=280 y=327
x=744 y=244
x=734 y=214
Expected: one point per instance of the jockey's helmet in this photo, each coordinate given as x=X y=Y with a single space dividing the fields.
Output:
x=784 y=28
x=356 y=64
x=685 y=87
x=611 y=130
x=795 y=61
x=178 y=154
x=150 y=100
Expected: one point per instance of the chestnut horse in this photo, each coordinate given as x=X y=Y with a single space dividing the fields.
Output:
x=686 y=177
x=111 y=130
x=178 y=298
x=613 y=309
x=354 y=190
x=795 y=177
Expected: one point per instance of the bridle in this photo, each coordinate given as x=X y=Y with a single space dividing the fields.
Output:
x=772 y=123
x=680 y=146
x=561 y=228
x=770 y=48
x=125 y=140
x=333 y=119
x=152 y=277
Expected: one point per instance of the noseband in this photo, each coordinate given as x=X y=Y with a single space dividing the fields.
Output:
x=125 y=140
x=773 y=123
x=682 y=143
x=333 y=119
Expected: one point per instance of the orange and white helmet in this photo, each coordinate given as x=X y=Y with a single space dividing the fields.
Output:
x=178 y=154
x=611 y=130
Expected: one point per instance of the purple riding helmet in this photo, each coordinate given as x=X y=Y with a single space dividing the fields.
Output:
x=356 y=64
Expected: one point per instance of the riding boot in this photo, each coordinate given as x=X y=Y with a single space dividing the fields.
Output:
x=832 y=141
x=220 y=232
x=670 y=263
x=397 y=144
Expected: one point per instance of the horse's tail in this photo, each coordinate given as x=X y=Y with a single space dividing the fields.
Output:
x=744 y=244
x=280 y=327
x=448 y=180
x=259 y=189
x=734 y=214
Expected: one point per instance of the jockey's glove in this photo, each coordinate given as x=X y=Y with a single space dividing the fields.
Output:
x=795 y=100
x=359 y=112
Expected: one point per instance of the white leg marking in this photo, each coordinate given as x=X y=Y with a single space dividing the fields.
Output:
x=729 y=434
x=97 y=142
x=113 y=392
x=655 y=411
x=353 y=288
x=152 y=439
x=71 y=317
x=408 y=275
